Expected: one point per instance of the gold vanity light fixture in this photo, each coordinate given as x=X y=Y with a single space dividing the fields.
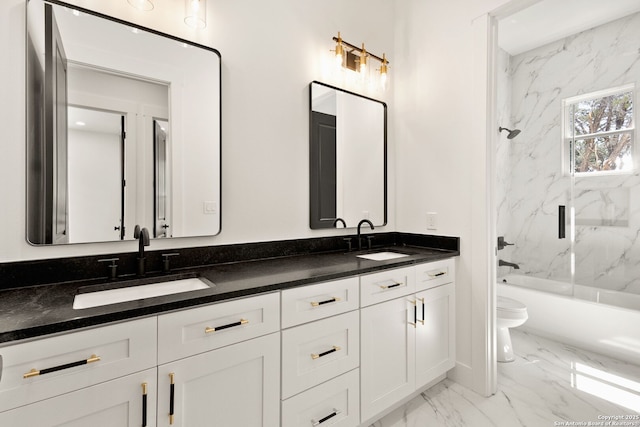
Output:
x=357 y=58
x=195 y=13
x=144 y=5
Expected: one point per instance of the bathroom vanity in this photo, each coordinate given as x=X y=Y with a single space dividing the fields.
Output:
x=329 y=338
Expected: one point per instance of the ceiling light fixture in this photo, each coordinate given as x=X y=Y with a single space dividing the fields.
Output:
x=145 y=5
x=195 y=13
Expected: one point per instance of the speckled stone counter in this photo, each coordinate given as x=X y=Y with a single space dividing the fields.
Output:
x=36 y=310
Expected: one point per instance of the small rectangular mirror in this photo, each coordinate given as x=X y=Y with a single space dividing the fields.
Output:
x=348 y=158
x=123 y=128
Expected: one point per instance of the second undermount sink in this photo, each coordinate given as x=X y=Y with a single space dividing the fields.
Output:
x=138 y=292
x=382 y=256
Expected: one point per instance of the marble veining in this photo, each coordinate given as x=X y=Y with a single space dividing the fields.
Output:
x=530 y=176
x=548 y=383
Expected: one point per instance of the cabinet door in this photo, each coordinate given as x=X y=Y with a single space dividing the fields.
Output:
x=435 y=340
x=117 y=403
x=238 y=385
x=387 y=354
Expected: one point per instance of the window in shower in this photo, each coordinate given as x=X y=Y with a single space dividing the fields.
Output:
x=598 y=131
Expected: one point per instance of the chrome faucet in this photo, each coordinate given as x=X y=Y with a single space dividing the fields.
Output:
x=143 y=238
x=502 y=263
x=364 y=221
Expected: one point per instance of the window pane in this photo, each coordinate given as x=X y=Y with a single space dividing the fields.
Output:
x=605 y=153
x=604 y=114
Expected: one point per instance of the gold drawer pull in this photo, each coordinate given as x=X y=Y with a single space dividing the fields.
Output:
x=34 y=372
x=395 y=285
x=438 y=274
x=315 y=423
x=315 y=356
x=208 y=330
x=172 y=396
x=318 y=303
x=144 y=405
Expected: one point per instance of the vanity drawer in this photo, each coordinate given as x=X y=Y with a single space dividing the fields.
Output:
x=434 y=274
x=185 y=333
x=36 y=370
x=309 y=303
x=319 y=351
x=334 y=403
x=386 y=285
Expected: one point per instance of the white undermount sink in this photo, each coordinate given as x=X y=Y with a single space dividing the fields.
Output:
x=136 y=292
x=382 y=256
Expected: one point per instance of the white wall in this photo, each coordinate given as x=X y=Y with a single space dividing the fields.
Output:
x=438 y=167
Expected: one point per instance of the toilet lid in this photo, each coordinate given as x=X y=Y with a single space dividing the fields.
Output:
x=508 y=304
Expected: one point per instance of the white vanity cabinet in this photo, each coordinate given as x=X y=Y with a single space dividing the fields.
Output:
x=99 y=376
x=409 y=341
x=220 y=364
x=338 y=353
x=321 y=355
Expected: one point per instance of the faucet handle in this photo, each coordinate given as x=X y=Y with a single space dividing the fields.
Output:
x=369 y=239
x=348 y=240
x=113 y=267
x=502 y=243
x=166 y=266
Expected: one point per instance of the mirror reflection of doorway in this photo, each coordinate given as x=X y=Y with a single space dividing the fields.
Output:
x=160 y=172
x=96 y=175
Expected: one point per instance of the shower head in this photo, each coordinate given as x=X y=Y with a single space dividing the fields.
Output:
x=512 y=133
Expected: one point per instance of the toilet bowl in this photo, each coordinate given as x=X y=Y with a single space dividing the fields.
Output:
x=510 y=314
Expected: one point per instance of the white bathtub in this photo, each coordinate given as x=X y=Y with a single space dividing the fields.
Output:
x=607 y=322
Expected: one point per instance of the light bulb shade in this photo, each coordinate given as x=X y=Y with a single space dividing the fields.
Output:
x=195 y=13
x=363 y=59
x=383 y=80
x=145 y=5
x=339 y=54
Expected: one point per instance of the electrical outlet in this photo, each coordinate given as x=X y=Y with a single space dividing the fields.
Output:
x=432 y=220
x=210 y=208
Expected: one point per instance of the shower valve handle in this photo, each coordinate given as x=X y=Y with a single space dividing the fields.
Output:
x=502 y=244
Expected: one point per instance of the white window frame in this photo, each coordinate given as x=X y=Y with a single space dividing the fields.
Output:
x=567 y=131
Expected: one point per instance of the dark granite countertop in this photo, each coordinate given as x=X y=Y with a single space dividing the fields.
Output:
x=34 y=311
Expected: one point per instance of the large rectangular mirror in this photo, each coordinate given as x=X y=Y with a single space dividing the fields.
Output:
x=123 y=128
x=348 y=158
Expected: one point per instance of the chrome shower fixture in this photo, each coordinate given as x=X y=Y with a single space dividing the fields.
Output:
x=512 y=133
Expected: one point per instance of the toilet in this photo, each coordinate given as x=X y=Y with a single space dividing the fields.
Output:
x=510 y=314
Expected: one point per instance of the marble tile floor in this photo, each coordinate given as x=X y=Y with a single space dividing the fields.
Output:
x=549 y=384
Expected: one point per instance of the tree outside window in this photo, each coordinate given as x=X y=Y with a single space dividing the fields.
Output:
x=599 y=129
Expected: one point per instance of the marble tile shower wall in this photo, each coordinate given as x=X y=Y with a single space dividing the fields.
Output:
x=530 y=177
